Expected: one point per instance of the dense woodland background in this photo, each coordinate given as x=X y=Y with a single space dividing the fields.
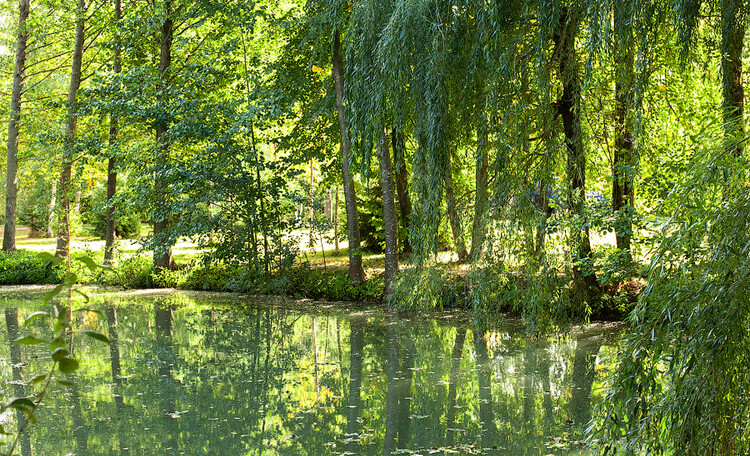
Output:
x=565 y=152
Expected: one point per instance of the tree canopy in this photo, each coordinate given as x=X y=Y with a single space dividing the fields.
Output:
x=554 y=156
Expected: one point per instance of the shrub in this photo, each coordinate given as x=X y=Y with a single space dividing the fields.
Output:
x=126 y=226
x=332 y=285
x=213 y=277
x=24 y=267
x=134 y=272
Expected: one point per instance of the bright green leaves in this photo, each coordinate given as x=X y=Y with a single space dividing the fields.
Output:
x=23 y=404
x=65 y=362
x=51 y=258
x=95 y=335
x=62 y=360
x=68 y=365
x=52 y=293
x=30 y=340
x=92 y=265
x=59 y=353
x=36 y=315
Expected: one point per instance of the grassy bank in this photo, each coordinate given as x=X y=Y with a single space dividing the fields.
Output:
x=316 y=275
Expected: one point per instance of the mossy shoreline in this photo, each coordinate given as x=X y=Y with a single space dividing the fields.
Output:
x=303 y=281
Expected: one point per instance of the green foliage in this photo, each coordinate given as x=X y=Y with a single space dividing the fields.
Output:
x=539 y=296
x=439 y=289
x=61 y=353
x=33 y=209
x=127 y=226
x=25 y=267
x=683 y=378
x=133 y=272
x=316 y=283
x=371 y=227
x=138 y=271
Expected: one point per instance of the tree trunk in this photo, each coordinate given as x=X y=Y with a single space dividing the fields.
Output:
x=402 y=184
x=162 y=255
x=11 y=179
x=480 y=200
x=624 y=163
x=585 y=287
x=336 y=219
x=63 y=229
x=732 y=38
x=109 y=229
x=455 y=220
x=311 y=202
x=263 y=223
x=390 y=221
x=52 y=204
x=356 y=273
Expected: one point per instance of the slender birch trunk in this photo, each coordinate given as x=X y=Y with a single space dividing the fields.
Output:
x=109 y=235
x=63 y=229
x=11 y=179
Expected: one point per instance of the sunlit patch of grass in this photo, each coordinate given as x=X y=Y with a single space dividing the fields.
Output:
x=183 y=251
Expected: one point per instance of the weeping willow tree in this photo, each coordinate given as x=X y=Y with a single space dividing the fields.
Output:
x=416 y=51
x=683 y=380
x=372 y=115
x=520 y=99
x=682 y=383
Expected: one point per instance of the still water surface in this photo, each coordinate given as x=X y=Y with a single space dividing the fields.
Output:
x=199 y=374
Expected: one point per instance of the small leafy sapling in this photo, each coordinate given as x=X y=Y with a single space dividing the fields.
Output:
x=59 y=344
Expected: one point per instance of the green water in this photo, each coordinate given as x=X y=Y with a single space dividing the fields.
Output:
x=206 y=375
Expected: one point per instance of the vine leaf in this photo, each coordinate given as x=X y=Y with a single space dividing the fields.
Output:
x=95 y=335
x=68 y=365
x=30 y=340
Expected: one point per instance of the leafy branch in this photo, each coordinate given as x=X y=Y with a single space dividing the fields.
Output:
x=59 y=348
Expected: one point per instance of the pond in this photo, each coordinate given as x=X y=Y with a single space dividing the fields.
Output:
x=198 y=374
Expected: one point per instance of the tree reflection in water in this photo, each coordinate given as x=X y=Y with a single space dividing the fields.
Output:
x=116 y=369
x=205 y=379
x=19 y=390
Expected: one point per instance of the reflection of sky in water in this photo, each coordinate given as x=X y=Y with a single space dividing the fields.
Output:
x=201 y=378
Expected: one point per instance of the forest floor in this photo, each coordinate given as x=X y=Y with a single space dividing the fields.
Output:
x=186 y=250
x=86 y=243
x=322 y=254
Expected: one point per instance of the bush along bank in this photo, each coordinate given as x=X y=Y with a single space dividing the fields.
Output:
x=440 y=289
x=27 y=268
